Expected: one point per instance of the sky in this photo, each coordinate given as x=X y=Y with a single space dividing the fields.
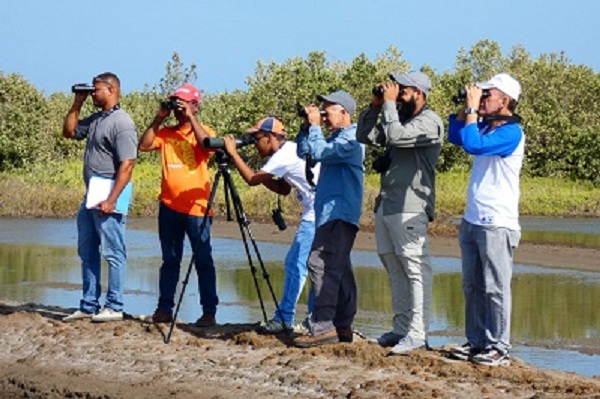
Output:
x=55 y=43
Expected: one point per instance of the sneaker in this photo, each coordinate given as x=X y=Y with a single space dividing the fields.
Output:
x=492 y=357
x=407 y=344
x=207 y=320
x=77 y=315
x=276 y=327
x=464 y=352
x=387 y=340
x=107 y=314
x=161 y=316
x=309 y=340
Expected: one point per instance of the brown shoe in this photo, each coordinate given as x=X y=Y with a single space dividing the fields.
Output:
x=162 y=316
x=207 y=320
x=345 y=334
x=307 y=341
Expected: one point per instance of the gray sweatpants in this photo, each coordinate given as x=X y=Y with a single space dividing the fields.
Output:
x=330 y=272
x=487 y=264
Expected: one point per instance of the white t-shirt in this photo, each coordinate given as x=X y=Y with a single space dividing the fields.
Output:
x=286 y=164
x=493 y=192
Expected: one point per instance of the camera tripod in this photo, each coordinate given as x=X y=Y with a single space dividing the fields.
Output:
x=231 y=195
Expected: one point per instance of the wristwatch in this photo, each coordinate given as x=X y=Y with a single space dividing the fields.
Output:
x=470 y=111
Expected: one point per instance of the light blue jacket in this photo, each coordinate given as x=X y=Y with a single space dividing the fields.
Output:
x=340 y=187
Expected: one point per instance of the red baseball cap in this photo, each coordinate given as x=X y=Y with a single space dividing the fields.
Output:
x=269 y=124
x=187 y=92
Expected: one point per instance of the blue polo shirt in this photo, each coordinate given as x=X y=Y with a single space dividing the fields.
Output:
x=340 y=187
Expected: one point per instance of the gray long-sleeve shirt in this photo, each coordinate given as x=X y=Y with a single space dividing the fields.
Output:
x=413 y=146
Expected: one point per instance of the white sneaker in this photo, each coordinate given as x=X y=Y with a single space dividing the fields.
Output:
x=107 y=314
x=407 y=344
x=77 y=315
x=492 y=357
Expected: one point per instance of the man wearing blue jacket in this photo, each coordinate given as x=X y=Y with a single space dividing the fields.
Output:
x=488 y=128
x=338 y=205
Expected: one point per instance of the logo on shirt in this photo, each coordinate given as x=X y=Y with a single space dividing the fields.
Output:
x=181 y=154
x=487 y=220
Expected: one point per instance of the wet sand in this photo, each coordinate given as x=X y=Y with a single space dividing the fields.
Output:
x=43 y=357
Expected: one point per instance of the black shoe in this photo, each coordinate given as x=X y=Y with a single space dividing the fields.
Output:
x=345 y=334
x=207 y=320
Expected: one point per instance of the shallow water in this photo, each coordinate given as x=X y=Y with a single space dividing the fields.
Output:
x=39 y=263
x=571 y=231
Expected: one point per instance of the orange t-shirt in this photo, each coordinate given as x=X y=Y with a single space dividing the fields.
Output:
x=185 y=185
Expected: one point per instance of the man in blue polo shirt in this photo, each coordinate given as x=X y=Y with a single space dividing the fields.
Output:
x=110 y=152
x=338 y=205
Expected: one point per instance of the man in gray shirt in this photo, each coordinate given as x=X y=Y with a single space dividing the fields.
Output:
x=110 y=153
x=412 y=136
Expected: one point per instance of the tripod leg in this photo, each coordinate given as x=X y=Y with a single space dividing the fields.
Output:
x=241 y=222
x=211 y=199
x=245 y=224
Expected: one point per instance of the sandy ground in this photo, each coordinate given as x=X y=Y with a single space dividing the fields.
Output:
x=43 y=357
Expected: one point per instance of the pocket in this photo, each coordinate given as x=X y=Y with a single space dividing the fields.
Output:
x=514 y=237
x=414 y=235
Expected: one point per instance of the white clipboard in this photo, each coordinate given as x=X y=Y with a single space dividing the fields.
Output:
x=100 y=187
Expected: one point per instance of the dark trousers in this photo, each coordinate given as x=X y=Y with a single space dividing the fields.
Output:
x=330 y=271
x=172 y=228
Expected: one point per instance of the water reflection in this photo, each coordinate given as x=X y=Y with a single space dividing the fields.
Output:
x=548 y=304
x=545 y=306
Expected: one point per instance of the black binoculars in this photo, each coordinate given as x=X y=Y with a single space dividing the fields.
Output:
x=461 y=96
x=83 y=88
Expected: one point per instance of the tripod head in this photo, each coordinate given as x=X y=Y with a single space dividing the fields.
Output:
x=223 y=158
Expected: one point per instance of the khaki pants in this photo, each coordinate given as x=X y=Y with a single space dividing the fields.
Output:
x=403 y=247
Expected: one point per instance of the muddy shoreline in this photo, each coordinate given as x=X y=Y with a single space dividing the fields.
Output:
x=43 y=357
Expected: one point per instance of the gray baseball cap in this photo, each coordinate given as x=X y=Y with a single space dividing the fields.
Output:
x=413 y=79
x=342 y=98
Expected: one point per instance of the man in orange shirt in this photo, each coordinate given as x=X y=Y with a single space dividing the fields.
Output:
x=185 y=190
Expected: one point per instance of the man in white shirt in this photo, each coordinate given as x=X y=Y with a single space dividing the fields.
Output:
x=282 y=171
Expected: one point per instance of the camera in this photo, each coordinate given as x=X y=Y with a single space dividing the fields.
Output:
x=83 y=88
x=382 y=163
x=170 y=104
x=218 y=143
x=377 y=91
x=277 y=216
x=461 y=96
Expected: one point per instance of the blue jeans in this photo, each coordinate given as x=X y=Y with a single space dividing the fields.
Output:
x=296 y=271
x=172 y=228
x=101 y=235
x=487 y=263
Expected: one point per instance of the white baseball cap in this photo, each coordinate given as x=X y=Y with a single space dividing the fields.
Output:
x=505 y=83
